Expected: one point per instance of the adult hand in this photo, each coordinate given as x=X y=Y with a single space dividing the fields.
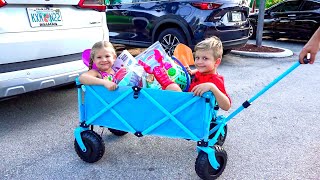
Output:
x=312 y=47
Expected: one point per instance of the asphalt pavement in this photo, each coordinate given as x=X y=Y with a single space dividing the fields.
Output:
x=277 y=137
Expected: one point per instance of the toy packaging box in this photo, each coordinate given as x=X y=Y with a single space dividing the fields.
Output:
x=129 y=73
x=160 y=67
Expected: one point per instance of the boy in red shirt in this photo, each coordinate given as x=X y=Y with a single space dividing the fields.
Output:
x=208 y=55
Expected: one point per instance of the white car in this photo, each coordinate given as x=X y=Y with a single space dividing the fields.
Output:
x=41 y=42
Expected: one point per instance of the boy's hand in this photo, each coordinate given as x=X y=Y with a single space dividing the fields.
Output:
x=198 y=90
x=189 y=70
x=110 y=85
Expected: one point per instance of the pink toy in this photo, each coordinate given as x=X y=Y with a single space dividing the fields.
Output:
x=86 y=58
x=119 y=75
x=158 y=71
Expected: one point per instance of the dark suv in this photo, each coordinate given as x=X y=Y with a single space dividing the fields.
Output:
x=297 y=19
x=142 y=22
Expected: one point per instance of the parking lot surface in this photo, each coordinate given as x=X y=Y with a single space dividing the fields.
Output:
x=277 y=137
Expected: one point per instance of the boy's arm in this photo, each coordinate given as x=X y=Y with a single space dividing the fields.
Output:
x=191 y=71
x=221 y=98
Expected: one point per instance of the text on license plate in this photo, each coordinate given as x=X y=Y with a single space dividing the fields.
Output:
x=41 y=17
x=235 y=16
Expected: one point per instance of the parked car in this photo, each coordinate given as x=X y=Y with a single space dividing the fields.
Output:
x=297 y=19
x=141 y=23
x=41 y=42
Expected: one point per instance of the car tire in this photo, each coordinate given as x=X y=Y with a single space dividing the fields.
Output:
x=226 y=51
x=170 y=38
x=252 y=31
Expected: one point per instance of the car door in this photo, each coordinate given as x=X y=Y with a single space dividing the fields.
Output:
x=119 y=21
x=307 y=19
x=270 y=19
x=284 y=18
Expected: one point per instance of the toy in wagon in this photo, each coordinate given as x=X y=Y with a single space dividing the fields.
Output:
x=179 y=115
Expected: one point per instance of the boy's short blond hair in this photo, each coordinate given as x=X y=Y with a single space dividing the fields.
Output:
x=213 y=43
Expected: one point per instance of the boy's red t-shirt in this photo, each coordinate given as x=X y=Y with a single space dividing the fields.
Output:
x=216 y=79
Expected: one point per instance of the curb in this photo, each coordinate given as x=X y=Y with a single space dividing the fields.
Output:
x=285 y=53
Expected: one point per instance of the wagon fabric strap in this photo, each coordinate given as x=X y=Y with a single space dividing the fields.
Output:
x=136 y=90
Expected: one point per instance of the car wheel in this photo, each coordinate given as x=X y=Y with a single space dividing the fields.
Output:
x=170 y=38
x=226 y=51
x=252 y=31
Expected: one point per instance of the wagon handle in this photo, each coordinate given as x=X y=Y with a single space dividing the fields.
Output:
x=306 y=60
x=248 y=102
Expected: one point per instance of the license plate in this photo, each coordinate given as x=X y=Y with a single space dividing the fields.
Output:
x=44 y=17
x=235 y=16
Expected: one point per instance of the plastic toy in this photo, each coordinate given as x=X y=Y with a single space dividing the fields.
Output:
x=174 y=115
x=156 y=62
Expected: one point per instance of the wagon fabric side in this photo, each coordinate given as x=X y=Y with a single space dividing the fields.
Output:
x=149 y=111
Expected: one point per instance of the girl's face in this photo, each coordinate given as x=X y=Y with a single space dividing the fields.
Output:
x=205 y=62
x=104 y=59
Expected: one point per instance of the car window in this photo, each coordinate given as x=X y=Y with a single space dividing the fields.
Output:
x=310 y=5
x=287 y=6
x=113 y=2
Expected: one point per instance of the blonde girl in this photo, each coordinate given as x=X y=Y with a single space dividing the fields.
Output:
x=103 y=56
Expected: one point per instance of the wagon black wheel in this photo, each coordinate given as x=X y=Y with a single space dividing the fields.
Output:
x=203 y=168
x=117 y=132
x=94 y=144
x=221 y=139
x=170 y=38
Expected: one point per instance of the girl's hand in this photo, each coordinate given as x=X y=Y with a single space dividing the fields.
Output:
x=198 y=90
x=110 y=85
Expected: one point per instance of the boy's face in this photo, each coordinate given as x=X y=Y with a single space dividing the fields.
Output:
x=205 y=62
x=104 y=59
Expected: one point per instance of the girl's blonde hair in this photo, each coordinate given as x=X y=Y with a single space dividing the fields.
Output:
x=97 y=46
x=213 y=43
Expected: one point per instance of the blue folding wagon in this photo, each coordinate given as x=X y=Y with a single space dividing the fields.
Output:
x=143 y=111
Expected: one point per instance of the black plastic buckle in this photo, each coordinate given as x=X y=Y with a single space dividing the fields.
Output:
x=216 y=107
x=136 y=90
x=138 y=134
x=202 y=143
x=84 y=125
x=78 y=85
x=246 y=104
x=207 y=100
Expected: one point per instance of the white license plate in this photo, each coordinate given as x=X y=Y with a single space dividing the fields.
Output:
x=235 y=16
x=42 y=17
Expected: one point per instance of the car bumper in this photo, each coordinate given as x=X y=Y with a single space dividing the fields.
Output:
x=27 y=80
x=230 y=38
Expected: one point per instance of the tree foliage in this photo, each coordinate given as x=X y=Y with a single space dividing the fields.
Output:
x=269 y=3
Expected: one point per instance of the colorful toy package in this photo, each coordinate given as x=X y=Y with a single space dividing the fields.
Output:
x=161 y=69
x=129 y=72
